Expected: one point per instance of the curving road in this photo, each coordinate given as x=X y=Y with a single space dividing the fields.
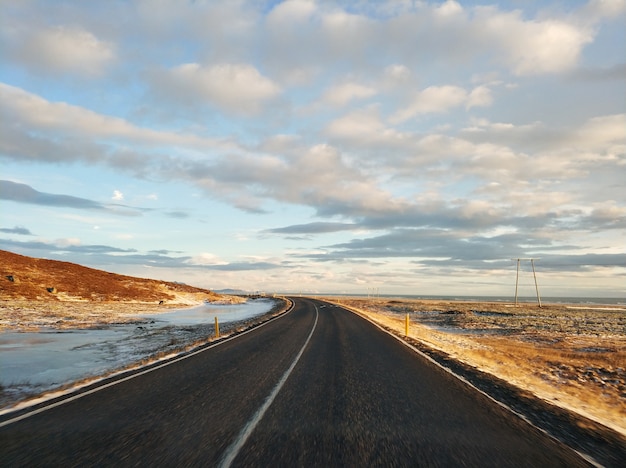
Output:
x=318 y=386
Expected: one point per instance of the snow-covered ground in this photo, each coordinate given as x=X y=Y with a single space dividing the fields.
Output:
x=35 y=362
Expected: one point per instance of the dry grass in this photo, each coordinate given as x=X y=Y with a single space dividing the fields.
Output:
x=575 y=358
x=35 y=279
x=37 y=293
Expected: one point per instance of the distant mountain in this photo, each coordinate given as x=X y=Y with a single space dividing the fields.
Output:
x=30 y=278
x=232 y=292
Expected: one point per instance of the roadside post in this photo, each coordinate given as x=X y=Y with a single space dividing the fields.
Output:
x=217 y=328
x=406 y=325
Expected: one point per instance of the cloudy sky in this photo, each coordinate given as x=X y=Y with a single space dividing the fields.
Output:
x=402 y=147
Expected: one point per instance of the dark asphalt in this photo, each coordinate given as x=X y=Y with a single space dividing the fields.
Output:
x=356 y=397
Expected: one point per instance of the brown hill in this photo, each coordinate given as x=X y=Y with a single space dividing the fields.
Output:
x=27 y=278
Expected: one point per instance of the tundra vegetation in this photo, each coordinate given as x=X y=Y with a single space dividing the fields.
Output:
x=571 y=355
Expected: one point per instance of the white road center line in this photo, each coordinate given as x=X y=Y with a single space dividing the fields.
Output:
x=231 y=452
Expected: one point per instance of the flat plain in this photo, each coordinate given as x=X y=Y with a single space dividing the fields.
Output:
x=572 y=356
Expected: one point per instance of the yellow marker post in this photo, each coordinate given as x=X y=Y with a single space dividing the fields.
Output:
x=217 y=328
x=406 y=325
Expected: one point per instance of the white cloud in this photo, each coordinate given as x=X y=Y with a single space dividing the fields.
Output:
x=597 y=134
x=291 y=12
x=596 y=10
x=32 y=111
x=603 y=131
x=66 y=50
x=322 y=178
x=235 y=88
x=357 y=124
x=449 y=8
x=344 y=24
x=346 y=34
x=117 y=195
x=341 y=94
x=68 y=242
x=318 y=176
x=434 y=99
x=479 y=97
x=364 y=128
x=396 y=76
x=534 y=47
x=206 y=258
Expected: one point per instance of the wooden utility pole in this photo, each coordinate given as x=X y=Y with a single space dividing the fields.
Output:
x=516 y=281
x=532 y=263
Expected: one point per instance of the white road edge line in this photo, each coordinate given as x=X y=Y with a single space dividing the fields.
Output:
x=584 y=456
x=110 y=384
x=233 y=450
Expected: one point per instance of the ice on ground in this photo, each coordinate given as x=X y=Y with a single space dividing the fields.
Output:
x=206 y=313
x=35 y=362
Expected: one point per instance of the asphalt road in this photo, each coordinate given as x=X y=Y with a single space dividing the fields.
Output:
x=319 y=386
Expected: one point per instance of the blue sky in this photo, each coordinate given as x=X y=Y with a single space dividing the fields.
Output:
x=302 y=146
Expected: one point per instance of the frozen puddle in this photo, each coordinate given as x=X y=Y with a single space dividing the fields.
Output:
x=206 y=313
x=34 y=362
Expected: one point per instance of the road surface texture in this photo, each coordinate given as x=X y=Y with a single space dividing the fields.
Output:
x=318 y=386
